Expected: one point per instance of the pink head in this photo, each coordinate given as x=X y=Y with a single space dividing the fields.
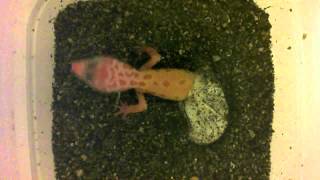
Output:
x=104 y=73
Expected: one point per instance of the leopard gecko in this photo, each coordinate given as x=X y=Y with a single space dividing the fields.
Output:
x=108 y=74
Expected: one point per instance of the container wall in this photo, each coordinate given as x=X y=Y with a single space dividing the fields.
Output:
x=41 y=53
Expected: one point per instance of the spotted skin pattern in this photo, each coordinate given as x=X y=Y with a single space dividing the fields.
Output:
x=108 y=74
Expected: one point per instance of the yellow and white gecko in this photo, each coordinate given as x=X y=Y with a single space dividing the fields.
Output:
x=107 y=74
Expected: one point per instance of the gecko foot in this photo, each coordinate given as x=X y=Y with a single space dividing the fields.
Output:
x=123 y=110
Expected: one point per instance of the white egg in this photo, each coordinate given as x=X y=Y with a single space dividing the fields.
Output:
x=206 y=109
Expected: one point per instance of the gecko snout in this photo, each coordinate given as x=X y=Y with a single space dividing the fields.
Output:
x=78 y=68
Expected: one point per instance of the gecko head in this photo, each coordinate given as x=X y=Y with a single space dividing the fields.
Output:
x=85 y=68
x=97 y=72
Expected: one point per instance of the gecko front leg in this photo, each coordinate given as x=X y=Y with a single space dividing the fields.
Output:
x=154 y=58
x=126 y=109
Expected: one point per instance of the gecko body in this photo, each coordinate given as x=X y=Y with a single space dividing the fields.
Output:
x=107 y=74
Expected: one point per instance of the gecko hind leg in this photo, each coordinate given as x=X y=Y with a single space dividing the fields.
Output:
x=154 y=58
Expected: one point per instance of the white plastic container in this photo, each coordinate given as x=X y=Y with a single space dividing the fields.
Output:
x=295 y=152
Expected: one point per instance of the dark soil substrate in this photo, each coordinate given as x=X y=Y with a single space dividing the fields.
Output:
x=231 y=36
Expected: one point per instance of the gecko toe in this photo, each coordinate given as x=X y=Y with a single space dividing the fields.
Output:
x=123 y=110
